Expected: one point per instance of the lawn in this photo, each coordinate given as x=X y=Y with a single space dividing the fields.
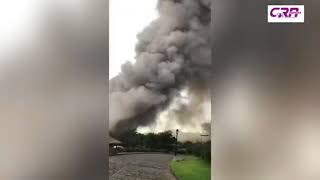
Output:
x=191 y=168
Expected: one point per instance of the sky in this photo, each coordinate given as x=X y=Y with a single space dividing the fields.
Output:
x=127 y=19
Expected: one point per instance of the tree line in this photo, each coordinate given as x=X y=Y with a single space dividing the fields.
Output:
x=151 y=141
x=164 y=142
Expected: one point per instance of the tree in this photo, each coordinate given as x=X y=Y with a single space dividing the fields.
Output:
x=166 y=140
x=130 y=138
x=151 y=141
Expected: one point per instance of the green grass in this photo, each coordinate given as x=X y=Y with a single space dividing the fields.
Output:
x=191 y=168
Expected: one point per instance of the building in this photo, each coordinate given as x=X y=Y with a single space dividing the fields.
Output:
x=115 y=146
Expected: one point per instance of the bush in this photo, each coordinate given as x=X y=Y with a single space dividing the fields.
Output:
x=199 y=149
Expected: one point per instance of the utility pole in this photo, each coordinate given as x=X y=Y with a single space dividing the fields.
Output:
x=175 y=152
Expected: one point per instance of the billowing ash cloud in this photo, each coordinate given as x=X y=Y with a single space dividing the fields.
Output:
x=172 y=53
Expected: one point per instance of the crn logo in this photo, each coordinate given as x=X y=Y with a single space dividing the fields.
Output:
x=285 y=12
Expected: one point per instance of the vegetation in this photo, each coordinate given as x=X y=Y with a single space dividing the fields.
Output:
x=199 y=149
x=148 y=142
x=191 y=168
x=164 y=142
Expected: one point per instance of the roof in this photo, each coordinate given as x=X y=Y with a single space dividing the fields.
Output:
x=114 y=141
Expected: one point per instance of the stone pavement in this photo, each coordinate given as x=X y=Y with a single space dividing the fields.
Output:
x=140 y=166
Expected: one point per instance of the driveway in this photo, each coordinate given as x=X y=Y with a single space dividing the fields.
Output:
x=140 y=167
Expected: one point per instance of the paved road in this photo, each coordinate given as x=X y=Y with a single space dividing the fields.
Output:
x=140 y=167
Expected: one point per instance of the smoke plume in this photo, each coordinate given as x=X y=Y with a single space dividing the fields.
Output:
x=172 y=53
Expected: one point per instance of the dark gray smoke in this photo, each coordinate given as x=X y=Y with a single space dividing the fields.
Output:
x=172 y=53
x=207 y=127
